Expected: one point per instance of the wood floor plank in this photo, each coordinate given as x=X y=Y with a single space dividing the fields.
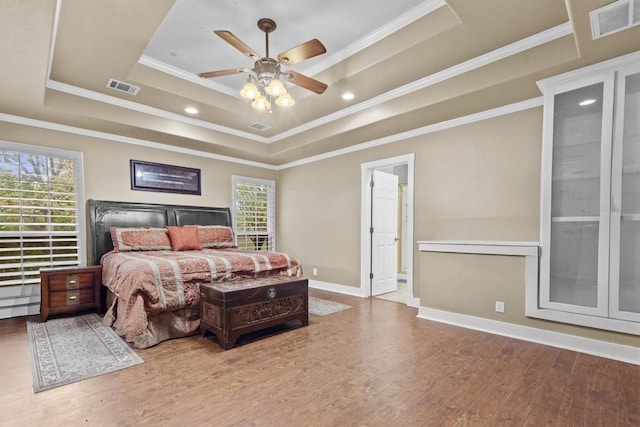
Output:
x=375 y=364
x=574 y=406
x=529 y=388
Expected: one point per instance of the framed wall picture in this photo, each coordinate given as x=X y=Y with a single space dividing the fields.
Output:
x=146 y=176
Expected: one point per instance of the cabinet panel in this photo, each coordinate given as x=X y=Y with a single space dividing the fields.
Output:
x=630 y=202
x=577 y=152
x=625 y=218
x=590 y=206
x=574 y=263
x=629 y=294
x=575 y=239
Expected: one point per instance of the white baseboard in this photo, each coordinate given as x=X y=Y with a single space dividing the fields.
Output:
x=334 y=287
x=18 y=301
x=349 y=290
x=599 y=348
x=413 y=302
x=20 y=310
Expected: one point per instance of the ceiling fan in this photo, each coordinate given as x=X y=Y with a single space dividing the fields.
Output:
x=267 y=72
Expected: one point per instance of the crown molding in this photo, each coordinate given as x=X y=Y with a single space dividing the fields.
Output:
x=400 y=22
x=146 y=109
x=504 y=52
x=391 y=27
x=26 y=121
x=436 y=127
x=451 y=72
x=163 y=67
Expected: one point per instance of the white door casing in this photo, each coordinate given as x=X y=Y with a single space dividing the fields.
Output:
x=366 y=171
x=384 y=236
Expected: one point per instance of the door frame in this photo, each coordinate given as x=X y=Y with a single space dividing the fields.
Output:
x=366 y=170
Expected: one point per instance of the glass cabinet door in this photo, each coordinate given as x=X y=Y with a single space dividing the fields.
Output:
x=578 y=226
x=625 y=201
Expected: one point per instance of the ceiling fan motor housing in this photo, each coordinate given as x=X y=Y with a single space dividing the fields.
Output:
x=266 y=69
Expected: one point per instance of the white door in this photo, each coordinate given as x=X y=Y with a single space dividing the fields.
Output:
x=384 y=222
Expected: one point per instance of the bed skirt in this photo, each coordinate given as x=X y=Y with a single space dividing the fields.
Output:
x=160 y=327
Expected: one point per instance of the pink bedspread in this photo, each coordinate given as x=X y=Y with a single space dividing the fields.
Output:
x=153 y=282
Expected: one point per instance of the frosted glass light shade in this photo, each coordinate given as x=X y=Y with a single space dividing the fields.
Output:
x=276 y=88
x=285 y=100
x=261 y=103
x=250 y=91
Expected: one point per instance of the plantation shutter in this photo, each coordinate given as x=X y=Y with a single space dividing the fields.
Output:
x=40 y=212
x=254 y=213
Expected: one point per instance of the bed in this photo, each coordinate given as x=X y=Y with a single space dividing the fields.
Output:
x=154 y=258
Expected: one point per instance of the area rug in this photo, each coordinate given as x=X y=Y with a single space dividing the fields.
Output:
x=70 y=349
x=322 y=307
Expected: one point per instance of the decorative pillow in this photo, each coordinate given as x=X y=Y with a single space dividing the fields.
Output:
x=184 y=238
x=216 y=236
x=139 y=239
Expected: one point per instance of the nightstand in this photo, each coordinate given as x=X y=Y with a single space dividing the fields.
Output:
x=69 y=290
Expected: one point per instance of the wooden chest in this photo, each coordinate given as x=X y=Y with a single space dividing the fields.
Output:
x=69 y=290
x=230 y=309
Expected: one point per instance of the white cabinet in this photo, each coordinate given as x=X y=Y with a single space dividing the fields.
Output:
x=590 y=210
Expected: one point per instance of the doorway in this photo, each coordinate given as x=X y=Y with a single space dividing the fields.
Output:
x=403 y=167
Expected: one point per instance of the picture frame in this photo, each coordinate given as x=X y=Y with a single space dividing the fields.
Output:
x=147 y=176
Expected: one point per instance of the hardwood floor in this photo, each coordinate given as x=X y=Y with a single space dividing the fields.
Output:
x=373 y=365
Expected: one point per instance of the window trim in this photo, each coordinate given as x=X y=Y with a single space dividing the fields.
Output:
x=24 y=300
x=235 y=179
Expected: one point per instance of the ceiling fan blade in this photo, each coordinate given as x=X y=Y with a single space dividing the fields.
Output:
x=230 y=38
x=220 y=73
x=303 y=81
x=301 y=52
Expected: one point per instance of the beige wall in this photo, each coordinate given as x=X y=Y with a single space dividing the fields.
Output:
x=106 y=167
x=479 y=181
x=475 y=182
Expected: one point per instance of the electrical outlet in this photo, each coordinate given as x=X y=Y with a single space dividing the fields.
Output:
x=315 y=271
x=500 y=306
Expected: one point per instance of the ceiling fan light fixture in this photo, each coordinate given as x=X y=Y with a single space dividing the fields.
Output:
x=264 y=83
x=261 y=103
x=275 y=88
x=250 y=91
x=285 y=100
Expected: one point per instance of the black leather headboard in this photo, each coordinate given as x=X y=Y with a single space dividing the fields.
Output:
x=104 y=214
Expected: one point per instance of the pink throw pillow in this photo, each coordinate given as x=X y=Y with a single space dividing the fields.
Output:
x=184 y=238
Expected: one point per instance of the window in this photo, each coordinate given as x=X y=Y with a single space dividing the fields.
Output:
x=40 y=212
x=254 y=213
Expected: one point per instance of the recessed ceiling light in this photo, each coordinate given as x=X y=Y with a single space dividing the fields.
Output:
x=191 y=110
x=347 y=96
x=587 y=102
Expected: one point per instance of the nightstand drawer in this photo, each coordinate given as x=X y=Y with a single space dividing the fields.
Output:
x=65 y=282
x=71 y=297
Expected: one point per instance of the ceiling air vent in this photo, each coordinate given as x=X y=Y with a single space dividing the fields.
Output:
x=123 y=87
x=614 y=17
x=259 y=126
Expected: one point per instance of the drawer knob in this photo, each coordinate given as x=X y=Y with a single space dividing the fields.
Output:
x=74 y=297
x=72 y=282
